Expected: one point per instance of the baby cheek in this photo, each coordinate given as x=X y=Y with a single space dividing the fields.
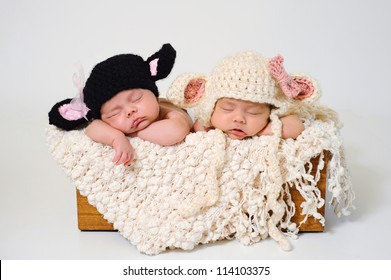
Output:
x=215 y=122
x=117 y=122
x=216 y=118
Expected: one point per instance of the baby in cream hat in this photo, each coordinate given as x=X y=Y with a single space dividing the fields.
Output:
x=249 y=95
x=246 y=95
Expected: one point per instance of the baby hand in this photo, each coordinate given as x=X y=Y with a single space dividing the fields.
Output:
x=197 y=126
x=267 y=130
x=124 y=152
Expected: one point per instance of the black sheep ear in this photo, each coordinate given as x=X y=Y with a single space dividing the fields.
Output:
x=55 y=117
x=162 y=62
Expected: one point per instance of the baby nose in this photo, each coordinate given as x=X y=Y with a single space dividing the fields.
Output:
x=238 y=117
x=131 y=110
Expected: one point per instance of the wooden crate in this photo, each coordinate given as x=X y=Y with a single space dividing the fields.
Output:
x=90 y=219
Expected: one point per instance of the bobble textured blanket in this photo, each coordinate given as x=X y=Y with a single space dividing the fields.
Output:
x=208 y=187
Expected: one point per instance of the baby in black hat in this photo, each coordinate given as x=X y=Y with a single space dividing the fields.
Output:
x=120 y=98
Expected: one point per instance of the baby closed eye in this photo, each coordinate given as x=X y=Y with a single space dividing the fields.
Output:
x=227 y=109
x=135 y=97
x=113 y=114
x=254 y=113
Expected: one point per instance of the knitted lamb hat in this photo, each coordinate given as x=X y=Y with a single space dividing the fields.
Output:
x=109 y=77
x=247 y=76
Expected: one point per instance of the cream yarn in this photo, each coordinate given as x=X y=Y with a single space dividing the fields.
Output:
x=207 y=188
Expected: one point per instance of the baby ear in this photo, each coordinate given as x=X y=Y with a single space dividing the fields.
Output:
x=162 y=62
x=187 y=90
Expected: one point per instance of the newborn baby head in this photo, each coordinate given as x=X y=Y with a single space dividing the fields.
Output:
x=247 y=78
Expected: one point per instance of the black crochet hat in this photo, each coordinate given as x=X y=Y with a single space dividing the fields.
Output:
x=109 y=77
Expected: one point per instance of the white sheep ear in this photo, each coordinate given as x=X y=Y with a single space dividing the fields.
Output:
x=194 y=91
x=310 y=90
x=295 y=86
x=187 y=90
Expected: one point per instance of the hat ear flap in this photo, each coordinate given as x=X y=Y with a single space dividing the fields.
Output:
x=162 y=62
x=60 y=119
x=187 y=90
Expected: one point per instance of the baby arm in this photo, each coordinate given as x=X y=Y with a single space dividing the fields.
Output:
x=171 y=130
x=292 y=126
x=199 y=127
x=101 y=132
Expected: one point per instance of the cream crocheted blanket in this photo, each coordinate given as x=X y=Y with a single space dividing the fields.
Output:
x=206 y=188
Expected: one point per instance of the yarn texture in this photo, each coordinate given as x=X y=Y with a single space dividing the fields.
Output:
x=209 y=187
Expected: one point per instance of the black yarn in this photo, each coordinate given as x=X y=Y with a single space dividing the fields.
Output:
x=56 y=119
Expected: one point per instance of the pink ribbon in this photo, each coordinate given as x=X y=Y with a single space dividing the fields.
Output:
x=289 y=86
x=76 y=109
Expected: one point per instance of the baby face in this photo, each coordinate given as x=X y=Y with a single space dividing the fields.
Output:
x=131 y=110
x=240 y=119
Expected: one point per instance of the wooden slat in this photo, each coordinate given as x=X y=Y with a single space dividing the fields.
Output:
x=90 y=219
x=311 y=224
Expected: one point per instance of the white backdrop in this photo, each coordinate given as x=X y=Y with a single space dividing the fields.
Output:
x=343 y=44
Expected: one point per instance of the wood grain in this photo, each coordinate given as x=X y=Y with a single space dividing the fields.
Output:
x=88 y=217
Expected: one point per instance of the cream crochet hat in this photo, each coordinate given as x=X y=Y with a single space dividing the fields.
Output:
x=247 y=76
